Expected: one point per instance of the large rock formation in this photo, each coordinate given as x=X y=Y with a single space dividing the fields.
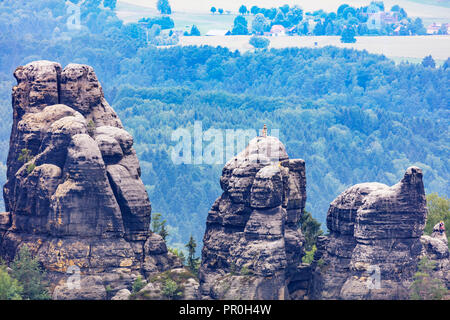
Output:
x=73 y=193
x=374 y=243
x=252 y=245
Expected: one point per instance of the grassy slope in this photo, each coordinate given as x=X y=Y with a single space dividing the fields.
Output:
x=205 y=22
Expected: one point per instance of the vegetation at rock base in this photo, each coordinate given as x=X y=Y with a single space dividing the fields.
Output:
x=348 y=35
x=10 y=289
x=30 y=168
x=171 y=290
x=138 y=284
x=24 y=280
x=425 y=287
x=438 y=210
x=193 y=263
x=259 y=42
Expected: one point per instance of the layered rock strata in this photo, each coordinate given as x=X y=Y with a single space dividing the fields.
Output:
x=374 y=244
x=73 y=193
x=252 y=244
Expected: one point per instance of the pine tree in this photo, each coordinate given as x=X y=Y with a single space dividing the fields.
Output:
x=30 y=276
x=192 y=262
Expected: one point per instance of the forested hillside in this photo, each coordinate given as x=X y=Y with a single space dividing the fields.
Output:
x=351 y=115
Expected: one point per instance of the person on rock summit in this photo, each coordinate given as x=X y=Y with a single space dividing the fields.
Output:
x=441 y=227
x=264 y=131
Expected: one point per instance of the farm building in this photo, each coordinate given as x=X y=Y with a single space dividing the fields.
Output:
x=277 y=30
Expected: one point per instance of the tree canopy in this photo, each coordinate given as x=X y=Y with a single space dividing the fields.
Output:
x=163 y=6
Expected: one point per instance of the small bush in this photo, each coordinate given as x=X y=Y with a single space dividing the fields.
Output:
x=30 y=276
x=30 y=168
x=25 y=155
x=171 y=290
x=138 y=284
x=425 y=287
x=308 y=258
x=91 y=128
x=245 y=271
x=179 y=254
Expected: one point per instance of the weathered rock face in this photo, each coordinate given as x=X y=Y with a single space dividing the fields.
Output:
x=73 y=192
x=375 y=235
x=252 y=244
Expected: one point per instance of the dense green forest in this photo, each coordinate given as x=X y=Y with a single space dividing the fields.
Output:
x=353 y=116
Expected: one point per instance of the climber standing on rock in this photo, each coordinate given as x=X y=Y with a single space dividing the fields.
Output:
x=441 y=227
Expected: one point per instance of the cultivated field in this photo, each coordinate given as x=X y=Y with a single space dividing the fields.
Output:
x=398 y=48
x=412 y=48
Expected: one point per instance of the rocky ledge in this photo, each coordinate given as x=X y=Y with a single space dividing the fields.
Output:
x=252 y=244
x=73 y=193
